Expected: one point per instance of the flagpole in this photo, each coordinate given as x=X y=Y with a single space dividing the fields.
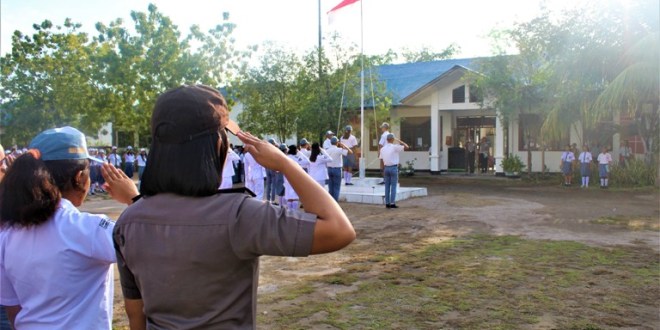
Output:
x=363 y=150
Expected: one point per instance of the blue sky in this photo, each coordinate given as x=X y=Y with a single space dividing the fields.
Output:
x=293 y=23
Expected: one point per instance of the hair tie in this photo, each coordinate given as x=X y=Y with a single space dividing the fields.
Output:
x=35 y=153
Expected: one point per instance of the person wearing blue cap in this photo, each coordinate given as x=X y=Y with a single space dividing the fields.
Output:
x=305 y=148
x=336 y=151
x=349 y=140
x=389 y=153
x=66 y=279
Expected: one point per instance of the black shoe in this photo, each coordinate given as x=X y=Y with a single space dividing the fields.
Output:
x=387 y=206
x=393 y=206
x=383 y=182
x=349 y=184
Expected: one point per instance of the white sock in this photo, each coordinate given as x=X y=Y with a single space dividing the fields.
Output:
x=586 y=181
x=583 y=181
x=606 y=183
x=602 y=182
x=349 y=177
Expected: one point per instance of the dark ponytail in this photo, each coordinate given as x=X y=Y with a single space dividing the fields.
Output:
x=32 y=189
x=316 y=150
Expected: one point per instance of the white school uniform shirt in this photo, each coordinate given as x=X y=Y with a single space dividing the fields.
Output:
x=604 y=158
x=141 y=162
x=336 y=154
x=129 y=158
x=228 y=169
x=390 y=154
x=327 y=144
x=306 y=153
x=289 y=192
x=383 y=138
x=253 y=170
x=114 y=159
x=567 y=156
x=60 y=272
x=585 y=157
x=351 y=142
x=318 y=170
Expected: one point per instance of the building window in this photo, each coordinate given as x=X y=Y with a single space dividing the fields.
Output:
x=416 y=132
x=458 y=95
x=529 y=135
x=475 y=94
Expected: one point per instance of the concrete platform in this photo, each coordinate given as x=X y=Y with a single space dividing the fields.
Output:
x=368 y=191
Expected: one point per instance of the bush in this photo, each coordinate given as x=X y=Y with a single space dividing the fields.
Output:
x=636 y=173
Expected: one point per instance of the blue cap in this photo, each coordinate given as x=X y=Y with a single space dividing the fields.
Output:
x=329 y=133
x=283 y=147
x=271 y=140
x=333 y=140
x=61 y=144
x=348 y=128
x=303 y=142
x=390 y=136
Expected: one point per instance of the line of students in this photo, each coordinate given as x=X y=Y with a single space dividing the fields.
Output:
x=324 y=165
x=585 y=159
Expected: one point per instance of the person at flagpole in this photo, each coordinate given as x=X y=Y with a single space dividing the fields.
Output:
x=349 y=140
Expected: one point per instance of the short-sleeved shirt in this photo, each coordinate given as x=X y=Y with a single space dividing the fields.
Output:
x=567 y=156
x=350 y=142
x=327 y=143
x=59 y=272
x=604 y=158
x=336 y=154
x=383 y=138
x=390 y=154
x=585 y=157
x=194 y=260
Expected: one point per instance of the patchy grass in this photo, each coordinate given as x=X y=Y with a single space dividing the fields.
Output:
x=479 y=282
x=630 y=222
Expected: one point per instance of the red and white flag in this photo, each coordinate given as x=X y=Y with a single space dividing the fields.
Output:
x=332 y=13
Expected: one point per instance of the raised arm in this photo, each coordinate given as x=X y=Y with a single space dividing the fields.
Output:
x=333 y=230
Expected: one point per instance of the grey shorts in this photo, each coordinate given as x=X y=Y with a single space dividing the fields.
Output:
x=349 y=160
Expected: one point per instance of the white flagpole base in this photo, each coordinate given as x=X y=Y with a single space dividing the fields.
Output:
x=362 y=169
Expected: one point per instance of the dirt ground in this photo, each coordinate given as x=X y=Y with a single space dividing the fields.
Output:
x=457 y=206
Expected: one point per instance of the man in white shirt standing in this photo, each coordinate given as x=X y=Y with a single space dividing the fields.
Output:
x=336 y=151
x=390 y=156
x=385 y=129
x=328 y=136
x=351 y=143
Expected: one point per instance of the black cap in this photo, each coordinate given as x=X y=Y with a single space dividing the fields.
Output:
x=187 y=113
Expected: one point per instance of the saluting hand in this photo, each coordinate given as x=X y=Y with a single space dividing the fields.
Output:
x=120 y=187
x=266 y=154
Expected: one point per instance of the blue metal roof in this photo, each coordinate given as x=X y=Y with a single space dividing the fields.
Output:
x=402 y=80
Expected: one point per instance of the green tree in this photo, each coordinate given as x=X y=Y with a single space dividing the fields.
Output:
x=271 y=104
x=45 y=82
x=425 y=54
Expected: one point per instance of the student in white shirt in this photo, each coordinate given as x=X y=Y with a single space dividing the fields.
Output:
x=385 y=129
x=129 y=162
x=318 y=161
x=66 y=279
x=336 y=152
x=114 y=158
x=328 y=135
x=141 y=162
x=567 y=159
x=228 y=169
x=306 y=150
x=585 y=159
x=350 y=142
x=390 y=156
x=254 y=176
x=604 y=160
x=290 y=195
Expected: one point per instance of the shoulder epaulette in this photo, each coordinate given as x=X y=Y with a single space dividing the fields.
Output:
x=241 y=190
